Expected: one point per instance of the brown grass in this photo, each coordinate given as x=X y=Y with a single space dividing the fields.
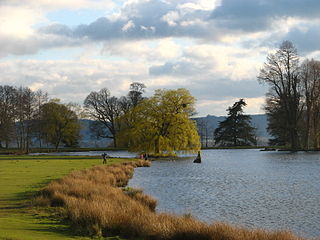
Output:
x=94 y=205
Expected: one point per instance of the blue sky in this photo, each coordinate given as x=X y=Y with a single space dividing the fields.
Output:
x=214 y=48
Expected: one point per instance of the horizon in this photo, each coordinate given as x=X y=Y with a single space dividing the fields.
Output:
x=213 y=48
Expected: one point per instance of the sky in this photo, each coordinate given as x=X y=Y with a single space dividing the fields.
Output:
x=213 y=48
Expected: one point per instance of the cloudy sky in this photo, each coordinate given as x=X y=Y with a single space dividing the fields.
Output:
x=214 y=48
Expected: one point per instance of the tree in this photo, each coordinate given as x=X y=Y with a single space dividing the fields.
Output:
x=135 y=93
x=25 y=103
x=41 y=98
x=161 y=124
x=7 y=114
x=281 y=73
x=310 y=77
x=203 y=131
x=276 y=122
x=60 y=124
x=236 y=129
x=106 y=109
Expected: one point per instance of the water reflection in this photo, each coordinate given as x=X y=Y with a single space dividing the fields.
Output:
x=271 y=190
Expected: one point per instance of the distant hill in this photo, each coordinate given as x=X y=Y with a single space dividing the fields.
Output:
x=208 y=124
x=88 y=139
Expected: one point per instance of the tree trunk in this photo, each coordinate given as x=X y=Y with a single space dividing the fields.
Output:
x=157 y=146
x=114 y=141
x=294 y=140
x=307 y=133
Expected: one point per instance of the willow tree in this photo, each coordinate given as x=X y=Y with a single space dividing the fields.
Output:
x=161 y=124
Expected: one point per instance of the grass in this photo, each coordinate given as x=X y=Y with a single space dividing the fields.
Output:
x=92 y=202
x=21 y=176
x=9 y=151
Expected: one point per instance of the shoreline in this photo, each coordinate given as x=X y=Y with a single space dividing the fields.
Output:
x=141 y=221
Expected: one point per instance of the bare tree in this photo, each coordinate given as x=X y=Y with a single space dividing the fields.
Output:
x=7 y=114
x=106 y=109
x=310 y=75
x=25 y=112
x=135 y=93
x=203 y=132
x=281 y=73
x=40 y=99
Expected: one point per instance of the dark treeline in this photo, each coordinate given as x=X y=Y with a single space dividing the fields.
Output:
x=28 y=118
x=293 y=99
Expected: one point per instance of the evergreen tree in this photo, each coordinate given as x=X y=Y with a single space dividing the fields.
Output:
x=236 y=129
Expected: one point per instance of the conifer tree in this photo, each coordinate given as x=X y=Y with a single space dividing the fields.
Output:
x=236 y=129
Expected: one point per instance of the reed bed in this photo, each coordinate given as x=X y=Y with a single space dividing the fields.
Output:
x=94 y=203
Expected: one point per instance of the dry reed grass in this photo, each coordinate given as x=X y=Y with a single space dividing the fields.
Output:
x=95 y=205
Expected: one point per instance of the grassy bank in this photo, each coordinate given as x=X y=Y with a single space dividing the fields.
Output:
x=92 y=202
x=21 y=176
x=11 y=151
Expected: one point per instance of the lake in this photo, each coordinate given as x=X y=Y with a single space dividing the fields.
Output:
x=270 y=190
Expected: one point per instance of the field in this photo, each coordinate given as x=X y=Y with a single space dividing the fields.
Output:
x=20 y=177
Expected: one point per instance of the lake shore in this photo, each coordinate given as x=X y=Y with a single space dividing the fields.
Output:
x=106 y=209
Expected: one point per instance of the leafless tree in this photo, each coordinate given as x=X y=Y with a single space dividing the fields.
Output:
x=106 y=109
x=310 y=76
x=7 y=114
x=281 y=73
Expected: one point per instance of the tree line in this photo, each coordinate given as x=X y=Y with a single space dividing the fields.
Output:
x=157 y=125
x=29 y=118
x=293 y=99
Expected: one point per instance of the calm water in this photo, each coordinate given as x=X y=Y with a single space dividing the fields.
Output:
x=271 y=190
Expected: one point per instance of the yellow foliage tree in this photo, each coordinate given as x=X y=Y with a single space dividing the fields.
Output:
x=161 y=124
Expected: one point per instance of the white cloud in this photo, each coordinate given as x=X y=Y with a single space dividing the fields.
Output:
x=227 y=61
x=47 y=5
x=167 y=49
x=147 y=51
x=128 y=25
x=71 y=81
x=171 y=18
x=18 y=22
x=200 y=5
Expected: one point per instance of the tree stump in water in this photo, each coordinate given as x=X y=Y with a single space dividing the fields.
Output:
x=198 y=158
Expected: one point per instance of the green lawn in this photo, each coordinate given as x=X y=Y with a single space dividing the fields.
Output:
x=20 y=177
